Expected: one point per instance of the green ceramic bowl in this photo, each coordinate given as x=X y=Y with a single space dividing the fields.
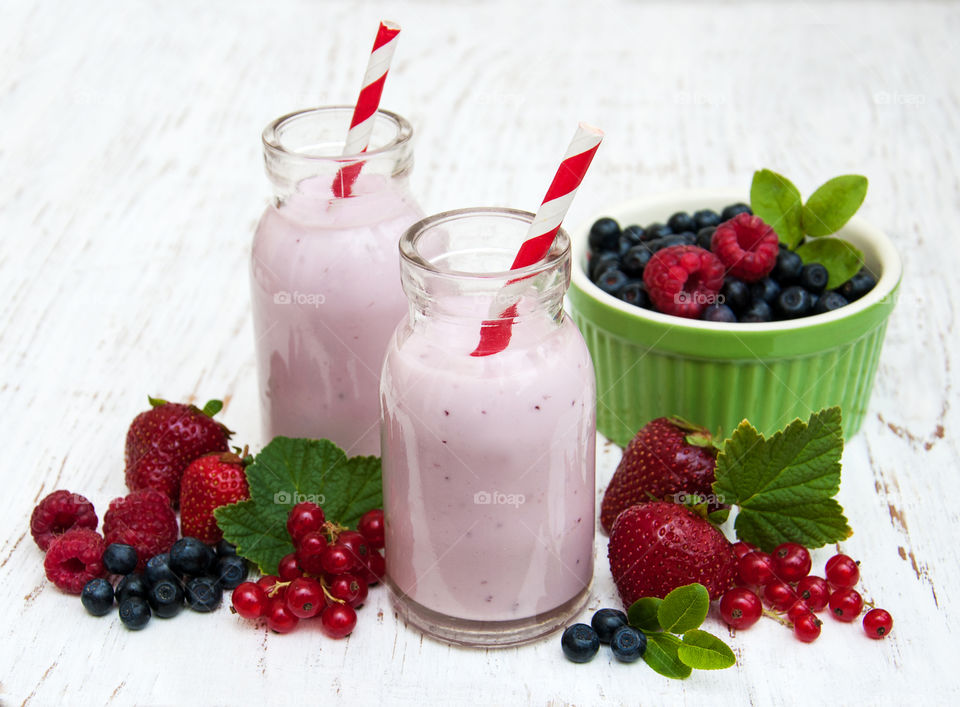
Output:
x=650 y=364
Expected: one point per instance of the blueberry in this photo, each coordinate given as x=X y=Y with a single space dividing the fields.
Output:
x=635 y=293
x=119 y=558
x=813 y=278
x=689 y=238
x=158 y=569
x=203 y=594
x=758 y=311
x=634 y=233
x=734 y=210
x=190 y=556
x=788 y=267
x=705 y=236
x=580 y=643
x=628 y=644
x=681 y=221
x=707 y=218
x=603 y=235
x=600 y=262
x=829 y=301
x=623 y=245
x=669 y=241
x=656 y=230
x=858 y=285
x=133 y=585
x=97 y=597
x=231 y=571
x=225 y=549
x=134 y=613
x=719 y=313
x=606 y=621
x=611 y=280
x=766 y=289
x=166 y=598
x=735 y=293
x=636 y=260
x=793 y=302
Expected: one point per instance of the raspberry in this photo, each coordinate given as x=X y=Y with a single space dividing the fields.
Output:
x=747 y=246
x=682 y=280
x=73 y=559
x=59 y=512
x=143 y=519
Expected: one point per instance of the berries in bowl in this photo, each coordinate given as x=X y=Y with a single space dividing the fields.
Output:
x=752 y=346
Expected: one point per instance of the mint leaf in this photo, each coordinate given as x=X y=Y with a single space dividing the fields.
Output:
x=840 y=258
x=642 y=614
x=286 y=472
x=704 y=651
x=777 y=201
x=785 y=485
x=662 y=656
x=684 y=608
x=830 y=207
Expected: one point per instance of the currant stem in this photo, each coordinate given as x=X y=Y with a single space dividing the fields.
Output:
x=776 y=617
x=330 y=596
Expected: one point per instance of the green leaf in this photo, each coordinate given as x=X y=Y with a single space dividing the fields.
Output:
x=777 y=201
x=841 y=259
x=642 y=614
x=785 y=485
x=830 y=207
x=156 y=402
x=719 y=517
x=286 y=472
x=212 y=407
x=704 y=651
x=684 y=608
x=662 y=656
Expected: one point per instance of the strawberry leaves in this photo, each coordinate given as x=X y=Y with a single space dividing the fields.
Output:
x=785 y=485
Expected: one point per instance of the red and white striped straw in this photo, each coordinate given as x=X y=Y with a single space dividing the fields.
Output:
x=495 y=333
x=361 y=125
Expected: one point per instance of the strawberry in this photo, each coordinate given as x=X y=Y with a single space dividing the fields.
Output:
x=667 y=457
x=209 y=482
x=162 y=441
x=659 y=546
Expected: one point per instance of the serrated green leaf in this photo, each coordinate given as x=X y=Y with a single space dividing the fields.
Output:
x=704 y=651
x=684 y=609
x=662 y=656
x=833 y=204
x=785 y=485
x=719 y=517
x=286 y=472
x=840 y=258
x=642 y=614
x=777 y=201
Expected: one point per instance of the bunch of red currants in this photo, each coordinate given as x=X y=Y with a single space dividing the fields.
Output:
x=327 y=575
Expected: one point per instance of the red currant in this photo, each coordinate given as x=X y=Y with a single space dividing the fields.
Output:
x=269 y=585
x=371 y=527
x=791 y=561
x=797 y=610
x=877 y=623
x=304 y=518
x=814 y=591
x=289 y=569
x=846 y=604
x=338 y=620
x=741 y=548
x=779 y=595
x=842 y=571
x=756 y=568
x=337 y=559
x=740 y=608
x=807 y=628
x=279 y=616
x=357 y=545
x=349 y=588
x=249 y=600
x=375 y=569
x=309 y=552
x=304 y=597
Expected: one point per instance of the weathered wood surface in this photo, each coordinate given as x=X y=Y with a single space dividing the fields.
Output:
x=130 y=183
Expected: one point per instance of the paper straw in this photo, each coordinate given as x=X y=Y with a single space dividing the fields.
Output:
x=361 y=125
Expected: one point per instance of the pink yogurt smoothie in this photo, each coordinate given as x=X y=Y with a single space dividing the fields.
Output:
x=488 y=471
x=326 y=297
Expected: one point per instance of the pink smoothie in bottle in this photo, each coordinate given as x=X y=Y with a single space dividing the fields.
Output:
x=488 y=461
x=325 y=277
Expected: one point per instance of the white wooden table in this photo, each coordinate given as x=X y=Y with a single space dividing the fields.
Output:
x=130 y=183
